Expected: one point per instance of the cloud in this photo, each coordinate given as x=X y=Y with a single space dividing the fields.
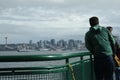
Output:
x=45 y=19
x=82 y=4
x=38 y=15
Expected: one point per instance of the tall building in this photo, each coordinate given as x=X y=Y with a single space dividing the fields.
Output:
x=53 y=42
x=30 y=42
x=71 y=43
x=6 y=41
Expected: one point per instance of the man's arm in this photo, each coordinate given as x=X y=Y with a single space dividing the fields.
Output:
x=88 y=43
x=112 y=41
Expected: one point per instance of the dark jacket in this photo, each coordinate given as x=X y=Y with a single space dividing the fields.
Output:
x=99 y=40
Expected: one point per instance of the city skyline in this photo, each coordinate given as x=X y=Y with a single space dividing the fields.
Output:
x=6 y=41
x=24 y=20
x=49 y=45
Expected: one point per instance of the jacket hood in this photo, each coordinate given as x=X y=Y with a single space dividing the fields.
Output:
x=96 y=28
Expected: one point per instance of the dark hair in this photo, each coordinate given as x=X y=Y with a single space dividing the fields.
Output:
x=94 y=21
x=109 y=28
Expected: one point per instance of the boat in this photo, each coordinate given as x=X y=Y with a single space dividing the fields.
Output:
x=24 y=50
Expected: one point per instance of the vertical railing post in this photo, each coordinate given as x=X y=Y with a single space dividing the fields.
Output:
x=67 y=72
x=82 y=63
x=92 y=70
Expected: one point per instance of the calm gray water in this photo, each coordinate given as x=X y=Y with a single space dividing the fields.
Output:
x=7 y=53
x=33 y=64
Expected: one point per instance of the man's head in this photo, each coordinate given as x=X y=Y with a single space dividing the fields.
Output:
x=110 y=28
x=93 y=21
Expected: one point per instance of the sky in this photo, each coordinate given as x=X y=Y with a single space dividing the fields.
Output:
x=24 y=20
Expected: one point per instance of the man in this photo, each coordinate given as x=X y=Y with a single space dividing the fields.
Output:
x=100 y=43
x=117 y=53
x=110 y=28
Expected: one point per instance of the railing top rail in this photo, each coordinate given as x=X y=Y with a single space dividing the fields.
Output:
x=43 y=57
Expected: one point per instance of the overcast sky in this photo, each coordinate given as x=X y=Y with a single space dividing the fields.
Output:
x=24 y=20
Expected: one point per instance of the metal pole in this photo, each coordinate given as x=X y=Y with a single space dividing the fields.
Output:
x=67 y=72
